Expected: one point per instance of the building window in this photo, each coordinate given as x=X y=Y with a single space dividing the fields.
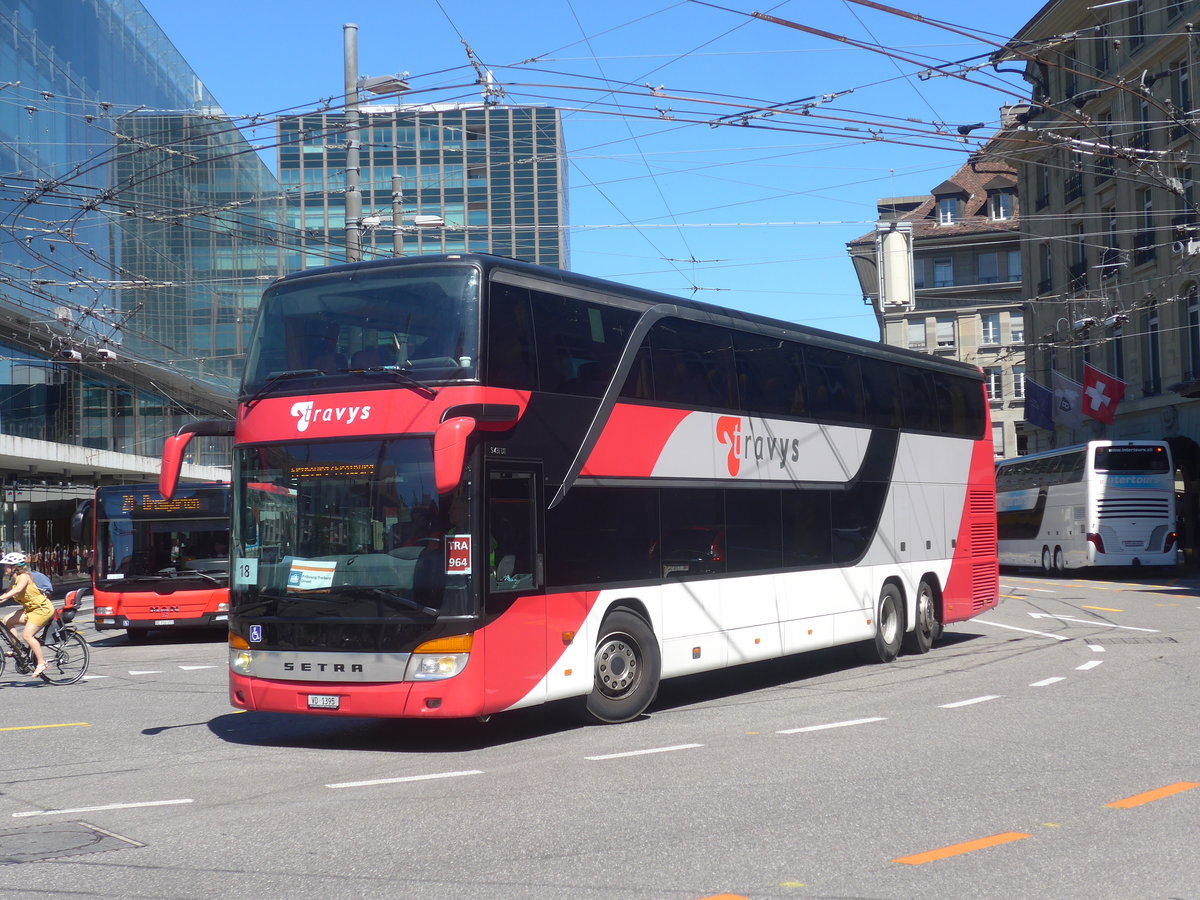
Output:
x=987 y=268
x=1000 y=205
x=1101 y=49
x=998 y=439
x=916 y=334
x=1014 y=265
x=1018 y=382
x=1016 y=328
x=1153 y=361
x=1143 y=246
x=1047 y=279
x=1117 y=345
x=945 y=332
x=943 y=272
x=989 y=331
x=1137 y=23
x=947 y=210
x=993 y=381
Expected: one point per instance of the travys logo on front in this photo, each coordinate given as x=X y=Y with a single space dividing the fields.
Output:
x=306 y=412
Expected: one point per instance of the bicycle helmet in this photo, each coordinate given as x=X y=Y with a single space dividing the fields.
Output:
x=13 y=559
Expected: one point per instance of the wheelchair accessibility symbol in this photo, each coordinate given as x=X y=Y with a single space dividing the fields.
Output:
x=256 y=634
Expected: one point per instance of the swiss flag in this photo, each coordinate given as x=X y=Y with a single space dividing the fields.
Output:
x=1101 y=394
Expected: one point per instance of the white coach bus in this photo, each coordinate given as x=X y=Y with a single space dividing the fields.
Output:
x=1104 y=503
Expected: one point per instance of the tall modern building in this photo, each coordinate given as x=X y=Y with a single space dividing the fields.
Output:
x=135 y=230
x=479 y=178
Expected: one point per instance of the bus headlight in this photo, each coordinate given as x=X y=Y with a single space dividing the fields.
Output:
x=103 y=610
x=439 y=658
x=241 y=661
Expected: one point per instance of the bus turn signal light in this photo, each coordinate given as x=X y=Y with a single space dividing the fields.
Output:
x=237 y=642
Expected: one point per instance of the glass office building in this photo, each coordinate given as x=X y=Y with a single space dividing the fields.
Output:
x=136 y=235
x=479 y=178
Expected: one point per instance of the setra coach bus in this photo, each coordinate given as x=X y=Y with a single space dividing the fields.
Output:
x=158 y=563
x=465 y=484
x=1103 y=503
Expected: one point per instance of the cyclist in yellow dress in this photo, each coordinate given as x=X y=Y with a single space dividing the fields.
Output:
x=36 y=609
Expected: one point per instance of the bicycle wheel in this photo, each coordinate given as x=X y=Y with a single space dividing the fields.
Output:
x=66 y=658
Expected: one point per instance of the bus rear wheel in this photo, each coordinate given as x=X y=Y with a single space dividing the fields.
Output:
x=1060 y=561
x=1047 y=562
x=889 y=627
x=927 y=628
x=625 y=669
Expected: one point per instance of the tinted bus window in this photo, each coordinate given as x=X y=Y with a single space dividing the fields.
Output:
x=755 y=538
x=693 y=364
x=806 y=529
x=960 y=403
x=881 y=392
x=578 y=344
x=512 y=359
x=692 y=540
x=599 y=535
x=834 y=385
x=855 y=515
x=770 y=375
x=920 y=407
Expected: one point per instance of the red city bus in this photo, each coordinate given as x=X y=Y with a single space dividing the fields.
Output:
x=159 y=563
x=465 y=484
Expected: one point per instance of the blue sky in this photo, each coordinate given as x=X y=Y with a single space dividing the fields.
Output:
x=712 y=154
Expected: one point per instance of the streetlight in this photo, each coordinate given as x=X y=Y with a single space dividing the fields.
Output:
x=380 y=84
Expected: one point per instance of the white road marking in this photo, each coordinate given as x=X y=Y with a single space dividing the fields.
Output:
x=349 y=784
x=1097 y=648
x=645 y=752
x=1088 y=665
x=83 y=809
x=1046 y=681
x=145 y=671
x=93 y=677
x=983 y=699
x=194 y=668
x=1095 y=622
x=1057 y=637
x=831 y=725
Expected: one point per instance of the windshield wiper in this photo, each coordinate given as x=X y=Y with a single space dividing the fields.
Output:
x=401 y=373
x=276 y=377
x=188 y=573
x=397 y=599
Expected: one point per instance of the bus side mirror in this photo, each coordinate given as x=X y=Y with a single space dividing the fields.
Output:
x=172 y=462
x=449 y=451
x=173 y=447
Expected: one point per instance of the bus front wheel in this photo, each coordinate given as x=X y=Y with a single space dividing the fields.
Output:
x=889 y=627
x=928 y=628
x=625 y=669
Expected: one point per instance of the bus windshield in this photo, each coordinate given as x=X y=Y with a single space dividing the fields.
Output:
x=420 y=321
x=141 y=536
x=350 y=530
x=1132 y=459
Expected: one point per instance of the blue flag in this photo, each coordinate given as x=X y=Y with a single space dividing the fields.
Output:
x=1039 y=405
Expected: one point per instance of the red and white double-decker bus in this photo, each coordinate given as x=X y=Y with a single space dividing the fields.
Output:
x=465 y=484
x=158 y=563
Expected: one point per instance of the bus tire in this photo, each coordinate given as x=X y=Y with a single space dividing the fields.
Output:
x=1060 y=561
x=927 y=627
x=1047 y=562
x=625 y=669
x=889 y=627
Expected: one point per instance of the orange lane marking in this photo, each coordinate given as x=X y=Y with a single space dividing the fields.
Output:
x=958 y=849
x=1102 y=608
x=1150 y=796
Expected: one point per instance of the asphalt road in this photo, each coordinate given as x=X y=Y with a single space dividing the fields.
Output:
x=1047 y=749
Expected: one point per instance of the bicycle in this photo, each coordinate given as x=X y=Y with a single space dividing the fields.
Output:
x=65 y=650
